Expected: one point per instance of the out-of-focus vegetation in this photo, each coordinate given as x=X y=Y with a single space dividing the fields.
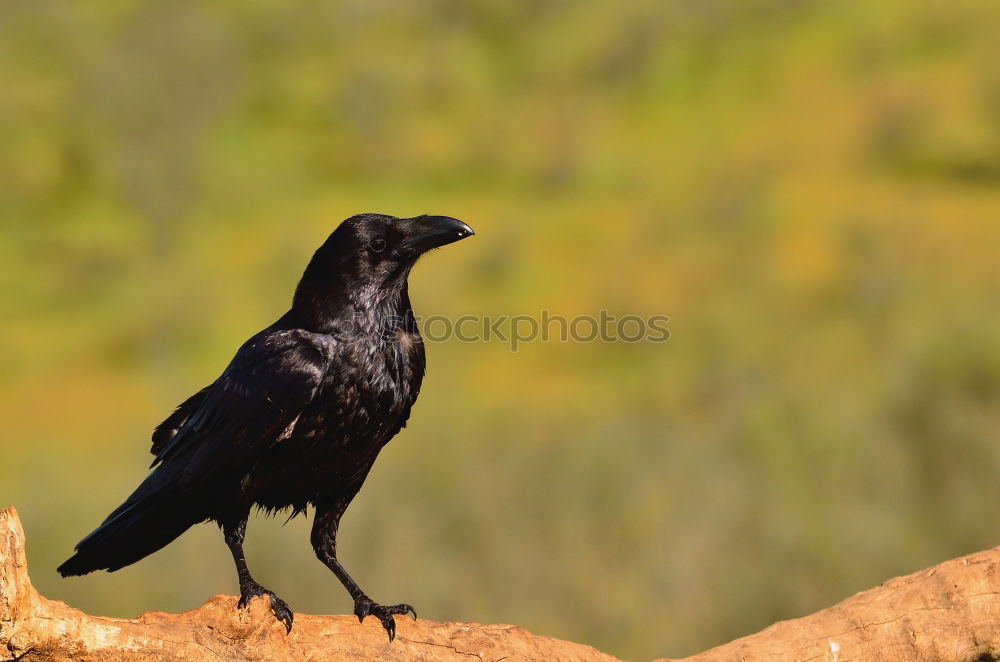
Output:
x=811 y=190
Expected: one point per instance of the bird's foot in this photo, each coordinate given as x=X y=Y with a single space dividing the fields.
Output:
x=364 y=606
x=281 y=610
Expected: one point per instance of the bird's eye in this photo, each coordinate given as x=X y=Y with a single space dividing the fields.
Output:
x=378 y=245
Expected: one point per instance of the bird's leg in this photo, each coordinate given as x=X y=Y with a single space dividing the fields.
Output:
x=249 y=588
x=324 y=542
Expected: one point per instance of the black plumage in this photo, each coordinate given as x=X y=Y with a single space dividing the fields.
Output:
x=299 y=415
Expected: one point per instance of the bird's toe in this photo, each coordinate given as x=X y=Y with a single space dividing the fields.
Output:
x=384 y=613
x=403 y=608
x=389 y=623
x=362 y=608
x=282 y=612
x=248 y=593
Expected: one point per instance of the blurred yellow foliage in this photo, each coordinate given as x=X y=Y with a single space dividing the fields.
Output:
x=811 y=191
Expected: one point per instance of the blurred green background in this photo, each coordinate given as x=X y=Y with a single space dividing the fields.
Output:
x=811 y=190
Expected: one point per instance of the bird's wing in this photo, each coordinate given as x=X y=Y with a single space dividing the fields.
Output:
x=255 y=402
x=169 y=428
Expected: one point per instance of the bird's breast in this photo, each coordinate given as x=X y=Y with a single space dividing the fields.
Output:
x=361 y=403
x=366 y=400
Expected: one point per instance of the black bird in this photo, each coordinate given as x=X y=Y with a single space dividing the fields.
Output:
x=298 y=416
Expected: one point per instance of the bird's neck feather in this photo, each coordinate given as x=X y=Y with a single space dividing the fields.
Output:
x=370 y=310
x=337 y=293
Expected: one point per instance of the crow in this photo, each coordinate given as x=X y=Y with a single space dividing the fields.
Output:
x=297 y=418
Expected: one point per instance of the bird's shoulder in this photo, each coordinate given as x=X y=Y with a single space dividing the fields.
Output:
x=274 y=374
x=289 y=347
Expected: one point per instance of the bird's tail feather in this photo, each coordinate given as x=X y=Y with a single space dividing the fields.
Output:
x=153 y=516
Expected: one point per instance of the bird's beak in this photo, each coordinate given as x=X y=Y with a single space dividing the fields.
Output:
x=427 y=232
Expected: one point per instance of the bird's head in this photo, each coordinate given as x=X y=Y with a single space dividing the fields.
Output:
x=379 y=245
x=374 y=252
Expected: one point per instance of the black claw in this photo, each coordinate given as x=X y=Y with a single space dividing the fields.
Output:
x=282 y=612
x=365 y=606
x=389 y=623
x=362 y=608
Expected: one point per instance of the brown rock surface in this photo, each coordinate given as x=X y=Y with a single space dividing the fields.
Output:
x=950 y=612
x=33 y=628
